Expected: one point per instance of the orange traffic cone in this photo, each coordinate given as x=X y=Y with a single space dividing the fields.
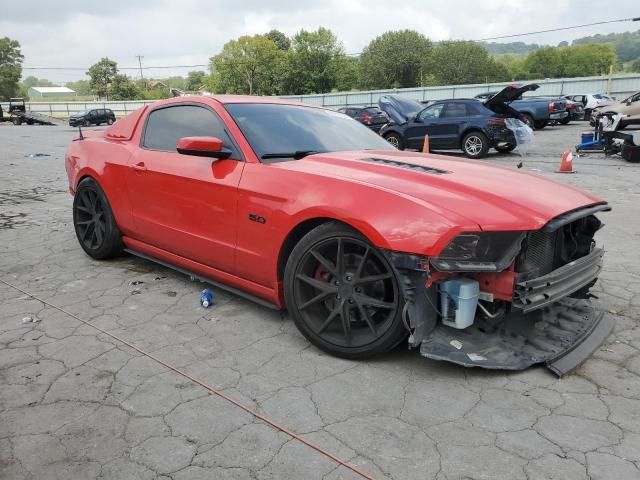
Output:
x=425 y=145
x=566 y=163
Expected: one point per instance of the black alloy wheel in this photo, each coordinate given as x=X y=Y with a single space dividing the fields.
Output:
x=94 y=223
x=343 y=294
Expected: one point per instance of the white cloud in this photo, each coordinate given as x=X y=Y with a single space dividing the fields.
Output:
x=78 y=33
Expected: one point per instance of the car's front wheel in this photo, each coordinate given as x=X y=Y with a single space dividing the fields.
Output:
x=343 y=294
x=109 y=121
x=475 y=145
x=395 y=140
x=94 y=222
x=87 y=123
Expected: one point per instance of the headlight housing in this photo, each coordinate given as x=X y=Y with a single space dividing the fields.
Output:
x=479 y=252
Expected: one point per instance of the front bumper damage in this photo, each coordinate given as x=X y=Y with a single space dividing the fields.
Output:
x=561 y=335
x=545 y=319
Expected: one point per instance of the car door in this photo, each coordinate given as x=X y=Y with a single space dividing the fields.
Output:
x=453 y=118
x=181 y=203
x=427 y=122
x=631 y=108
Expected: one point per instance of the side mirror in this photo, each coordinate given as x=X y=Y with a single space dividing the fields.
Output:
x=211 y=147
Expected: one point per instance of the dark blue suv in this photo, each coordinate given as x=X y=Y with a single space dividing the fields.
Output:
x=465 y=124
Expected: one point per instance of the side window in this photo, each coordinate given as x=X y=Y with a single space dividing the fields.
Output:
x=454 y=110
x=431 y=112
x=165 y=126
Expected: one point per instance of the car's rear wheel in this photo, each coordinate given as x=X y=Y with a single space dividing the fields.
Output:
x=475 y=144
x=94 y=222
x=109 y=121
x=528 y=119
x=343 y=294
x=540 y=124
x=395 y=140
x=565 y=120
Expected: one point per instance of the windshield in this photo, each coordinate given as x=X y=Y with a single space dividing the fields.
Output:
x=82 y=113
x=274 y=129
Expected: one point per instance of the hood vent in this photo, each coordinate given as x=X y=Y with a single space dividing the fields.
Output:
x=407 y=166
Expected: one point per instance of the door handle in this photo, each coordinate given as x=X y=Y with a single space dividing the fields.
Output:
x=139 y=167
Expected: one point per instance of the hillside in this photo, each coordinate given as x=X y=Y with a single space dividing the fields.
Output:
x=626 y=45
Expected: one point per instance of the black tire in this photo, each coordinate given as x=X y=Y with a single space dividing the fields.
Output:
x=395 y=140
x=540 y=124
x=94 y=222
x=475 y=144
x=109 y=121
x=587 y=114
x=16 y=121
x=565 y=120
x=528 y=119
x=351 y=308
x=506 y=148
x=87 y=123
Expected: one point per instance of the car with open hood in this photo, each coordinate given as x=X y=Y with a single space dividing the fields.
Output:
x=465 y=124
x=537 y=112
x=300 y=208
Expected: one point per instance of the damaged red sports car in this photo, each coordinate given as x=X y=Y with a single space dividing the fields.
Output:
x=303 y=208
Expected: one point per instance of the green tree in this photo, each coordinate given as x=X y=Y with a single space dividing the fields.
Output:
x=123 y=89
x=395 y=59
x=314 y=62
x=514 y=65
x=249 y=65
x=279 y=38
x=347 y=73
x=635 y=65
x=194 y=80
x=10 y=67
x=101 y=76
x=459 y=62
x=544 y=63
x=586 y=60
x=81 y=87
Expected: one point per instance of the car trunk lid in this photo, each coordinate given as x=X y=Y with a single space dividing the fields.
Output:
x=399 y=109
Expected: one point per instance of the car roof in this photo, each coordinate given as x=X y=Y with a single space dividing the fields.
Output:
x=231 y=99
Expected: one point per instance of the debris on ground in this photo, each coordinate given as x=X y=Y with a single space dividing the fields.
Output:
x=171 y=294
x=136 y=291
x=206 y=299
x=136 y=282
x=35 y=155
x=30 y=319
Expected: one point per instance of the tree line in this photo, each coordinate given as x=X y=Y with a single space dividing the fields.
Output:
x=316 y=62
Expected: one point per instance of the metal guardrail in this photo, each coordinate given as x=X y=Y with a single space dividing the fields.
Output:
x=621 y=86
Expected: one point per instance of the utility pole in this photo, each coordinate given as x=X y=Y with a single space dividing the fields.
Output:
x=140 y=57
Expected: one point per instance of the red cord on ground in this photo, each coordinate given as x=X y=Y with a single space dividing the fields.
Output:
x=210 y=389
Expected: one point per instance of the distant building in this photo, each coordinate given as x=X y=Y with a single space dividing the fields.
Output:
x=49 y=92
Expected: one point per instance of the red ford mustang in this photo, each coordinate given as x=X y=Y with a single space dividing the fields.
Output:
x=300 y=207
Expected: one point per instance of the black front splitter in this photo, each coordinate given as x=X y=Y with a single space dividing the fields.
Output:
x=561 y=335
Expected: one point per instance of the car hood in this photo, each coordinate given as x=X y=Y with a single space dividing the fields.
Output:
x=510 y=93
x=493 y=197
x=399 y=109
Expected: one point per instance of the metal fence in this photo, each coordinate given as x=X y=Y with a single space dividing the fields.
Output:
x=621 y=86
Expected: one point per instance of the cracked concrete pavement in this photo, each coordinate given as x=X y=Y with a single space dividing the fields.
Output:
x=76 y=404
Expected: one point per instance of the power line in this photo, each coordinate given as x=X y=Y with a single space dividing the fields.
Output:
x=559 y=29
x=119 y=68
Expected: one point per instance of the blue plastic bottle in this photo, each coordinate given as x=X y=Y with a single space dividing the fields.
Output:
x=206 y=299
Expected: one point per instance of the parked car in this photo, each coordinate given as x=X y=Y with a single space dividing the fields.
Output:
x=371 y=117
x=537 y=112
x=575 y=111
x=629 y=108
x=96 y=116
x=590 y=101
x=297 y=206
x=466 y=124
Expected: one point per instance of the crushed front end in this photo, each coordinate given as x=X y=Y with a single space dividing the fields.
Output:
x=509 y=300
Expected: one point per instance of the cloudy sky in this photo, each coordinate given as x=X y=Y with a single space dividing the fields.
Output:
x=70 y=33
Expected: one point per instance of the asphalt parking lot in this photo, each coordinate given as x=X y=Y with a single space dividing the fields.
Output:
x=76 y=403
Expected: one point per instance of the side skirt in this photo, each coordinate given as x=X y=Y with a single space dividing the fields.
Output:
x=260 y=294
